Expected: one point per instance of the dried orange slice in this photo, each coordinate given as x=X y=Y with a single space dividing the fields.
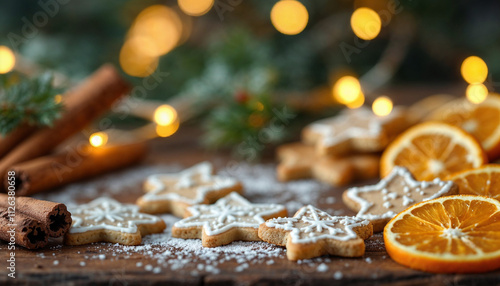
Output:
x=433 y=150
x=455 y=234
x=481 y=120
x=482 y=181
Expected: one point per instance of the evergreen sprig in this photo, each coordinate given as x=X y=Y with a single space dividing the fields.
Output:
x=31 y=101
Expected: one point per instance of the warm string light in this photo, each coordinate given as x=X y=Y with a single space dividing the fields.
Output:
x=166 y=119
x=347 y=90
x=366 y=23
x=7 y=60
x=58 y=98
x=476 y=93
x=155 y=32
x=382 y=106
x=195 y=7
x=98 y=139
x=289 y=17
x=474 y=70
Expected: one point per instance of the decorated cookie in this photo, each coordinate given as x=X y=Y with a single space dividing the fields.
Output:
x=107 y=220
x=230 y=218
x=173 y=193
x=354 y=130
x=300 y=161
x=393 y=194
x=312 y=232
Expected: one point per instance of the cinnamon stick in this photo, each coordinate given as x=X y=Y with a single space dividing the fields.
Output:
x=8 y=142
x=53 y=215
x=84 y=103
x=46 y=173
x=18 y=228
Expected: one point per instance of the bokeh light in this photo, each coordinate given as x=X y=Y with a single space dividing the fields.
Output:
x=382 y=106
x=155 y=32
x=476 y=93
x=195 y=7
x=7 y=60
x=474 y=70
x=366 y=23
x=165 y=115
x=167 y=130
x=98 y=139
x=289 y=17
x=358 y=102
x=58 y=98
x=347 y=90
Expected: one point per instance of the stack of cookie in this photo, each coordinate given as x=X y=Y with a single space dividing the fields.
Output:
x=341 y=149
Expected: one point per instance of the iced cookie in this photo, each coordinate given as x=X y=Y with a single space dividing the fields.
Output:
x=230 y=218
x=312 y=232
x=393 y=194
x=173 y=193
x=300 y=161
x=355 y=130
x=107 y=220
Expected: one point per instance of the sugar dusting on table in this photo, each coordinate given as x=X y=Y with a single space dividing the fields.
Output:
x=162 y=251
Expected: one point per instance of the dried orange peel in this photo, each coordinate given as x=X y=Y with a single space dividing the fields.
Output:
x=433 y=150
x=454 y=234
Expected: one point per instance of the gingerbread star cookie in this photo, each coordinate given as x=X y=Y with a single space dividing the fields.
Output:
x=312 y=232
x=230 y=218
x=393 y=194
x=173 y=193
x=300 y=161
x=355 y=130
x=107 y=220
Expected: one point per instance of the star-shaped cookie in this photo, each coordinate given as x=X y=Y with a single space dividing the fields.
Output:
x=230 y=218
x=393 y=194
x=173 y=193
x=354 y=130
x=107 y=220
x=300 y=161
x=312 y=232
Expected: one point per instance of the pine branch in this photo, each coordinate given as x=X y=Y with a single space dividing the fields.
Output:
x=31 y=101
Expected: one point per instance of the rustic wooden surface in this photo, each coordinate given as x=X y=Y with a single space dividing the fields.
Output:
x=37 y=267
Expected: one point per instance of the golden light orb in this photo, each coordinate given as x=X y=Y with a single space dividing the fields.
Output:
x=358 y=102
x=7 y=59
x=476 y=93
x=366 y=23
x=167 y=130
x=347 y=89
x=474 y=70
x=289 y=17
x=165 y=115
x=382 y=106
x=98 y=139
x=195 y=7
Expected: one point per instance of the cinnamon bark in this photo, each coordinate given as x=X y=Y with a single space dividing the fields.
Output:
x=54 y=216
x=46 y=173
x=10 y=141
x=22 y=230
x=84 y=103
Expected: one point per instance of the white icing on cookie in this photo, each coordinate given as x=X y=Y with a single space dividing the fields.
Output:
x=106 y=213
x=310 y=224
x=395 y=196
x=358 y=123
x=232 y=211
x=190 y=186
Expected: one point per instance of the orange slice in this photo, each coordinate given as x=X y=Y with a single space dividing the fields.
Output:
x=481 y=120
x=482 y=181
x=433 y=150
x=455 y=234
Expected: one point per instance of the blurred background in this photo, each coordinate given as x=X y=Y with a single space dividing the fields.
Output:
x=232 y=66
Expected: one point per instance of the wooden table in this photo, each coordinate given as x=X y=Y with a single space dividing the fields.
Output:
x=107 y=264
